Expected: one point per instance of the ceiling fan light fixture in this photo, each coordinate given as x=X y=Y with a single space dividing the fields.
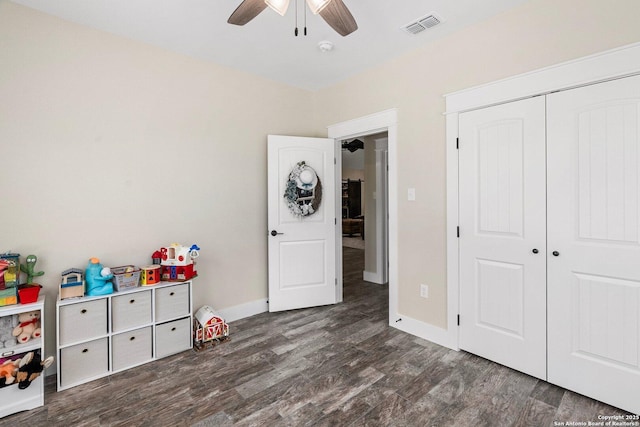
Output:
x=316 y=6
x=279 y=6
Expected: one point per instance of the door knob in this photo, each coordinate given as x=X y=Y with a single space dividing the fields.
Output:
x=535 y=251
x=555 y=253
x=275 y=233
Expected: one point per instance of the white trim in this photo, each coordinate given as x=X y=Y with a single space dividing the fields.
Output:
x=372 y=277
x=612 y=64
x=369 y=125
x=453 y=306
x=591 y=69
x=382 y=195
x=237 y=312
x=337 y=173
x=426 y=331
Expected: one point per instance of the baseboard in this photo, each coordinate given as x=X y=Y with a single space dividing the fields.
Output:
x=241 y=311
x=368 y=276
x=443 y=337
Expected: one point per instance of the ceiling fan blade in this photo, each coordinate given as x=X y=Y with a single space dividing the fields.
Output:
x=339 y=18
x=247 y=10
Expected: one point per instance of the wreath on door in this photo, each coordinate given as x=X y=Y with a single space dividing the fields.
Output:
x=303 y=193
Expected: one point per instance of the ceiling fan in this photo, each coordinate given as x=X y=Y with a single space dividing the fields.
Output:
x=334 y=12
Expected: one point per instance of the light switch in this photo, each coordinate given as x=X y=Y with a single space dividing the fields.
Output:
x=411 y=194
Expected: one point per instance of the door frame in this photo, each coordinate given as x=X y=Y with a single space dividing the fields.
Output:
x=382 y=121
x=608 y=65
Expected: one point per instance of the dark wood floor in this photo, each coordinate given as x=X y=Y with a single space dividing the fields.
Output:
x=328 y=366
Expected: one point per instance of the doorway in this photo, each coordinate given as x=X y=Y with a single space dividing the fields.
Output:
x=384 y=121
x=364 y=202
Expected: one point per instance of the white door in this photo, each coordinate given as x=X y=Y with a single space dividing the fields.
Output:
x=594 y=233
x=302 y=222
x=502 y=234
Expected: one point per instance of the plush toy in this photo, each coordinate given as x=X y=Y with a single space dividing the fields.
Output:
x=97 y=283
x=8 y=372
x=29 y=269
x=31 y=366
x=29 y=326
x=7 y=323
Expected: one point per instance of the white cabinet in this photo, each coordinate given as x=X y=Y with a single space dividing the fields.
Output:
x=12 y=399
x=98 y=336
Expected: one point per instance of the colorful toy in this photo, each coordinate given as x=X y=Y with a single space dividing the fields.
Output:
x=72 y=284
x=9 y=270
x=150 y=275
x=30 y=368
x=9 y=277
x=7 y=323
x=177 y=262
x=98 y=279
x=208 y=327
x=8 y=372
x=29 y=326
x=156 y=257
x=29 y=269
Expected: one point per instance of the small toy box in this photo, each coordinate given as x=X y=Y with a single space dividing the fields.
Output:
x=125 y=277
x=150 y=275
x=28 y=293
x=72 y=285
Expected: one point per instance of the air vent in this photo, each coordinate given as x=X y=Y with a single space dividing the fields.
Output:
x=421 y=24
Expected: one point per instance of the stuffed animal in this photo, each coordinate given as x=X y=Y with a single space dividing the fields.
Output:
x=29 y=326
x=97 y=283
x=8 y=372
x=7 y=323
x=30 y=368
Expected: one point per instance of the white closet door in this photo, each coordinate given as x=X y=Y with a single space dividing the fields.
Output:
x=594 y=228
x=502 y=234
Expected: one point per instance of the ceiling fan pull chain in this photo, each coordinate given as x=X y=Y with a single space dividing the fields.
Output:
x=305 y=21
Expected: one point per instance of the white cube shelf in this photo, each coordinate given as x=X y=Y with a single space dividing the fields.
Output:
x=121 y=330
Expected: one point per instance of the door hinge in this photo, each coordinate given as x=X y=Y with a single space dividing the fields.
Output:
x=336 y=281
x=335 y=161
x=458 y=320
x=458 y=231
x=457 y=143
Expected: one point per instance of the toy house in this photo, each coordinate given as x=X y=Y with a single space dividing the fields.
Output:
x=177 y=262
x=208 y=326
x=72 y=284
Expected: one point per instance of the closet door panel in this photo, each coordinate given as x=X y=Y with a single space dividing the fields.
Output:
x=502 y=222
x=593 y=226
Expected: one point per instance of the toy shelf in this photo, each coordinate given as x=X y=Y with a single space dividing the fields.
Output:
x=121 y=330
x=12 y=399
x=32 y=345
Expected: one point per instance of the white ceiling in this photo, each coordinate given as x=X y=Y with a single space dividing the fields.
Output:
x=266 y=46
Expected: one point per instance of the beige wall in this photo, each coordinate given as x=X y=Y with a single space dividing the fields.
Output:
x=112 y=148
x=537 y=34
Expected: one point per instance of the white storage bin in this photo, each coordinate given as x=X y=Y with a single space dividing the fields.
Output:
x=130 y=310
x=132 y=348
x=83 y=321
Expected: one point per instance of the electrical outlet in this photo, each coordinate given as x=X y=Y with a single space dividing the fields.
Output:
x=424 y=291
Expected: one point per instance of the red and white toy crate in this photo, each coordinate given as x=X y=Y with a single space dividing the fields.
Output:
x=208 y=326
